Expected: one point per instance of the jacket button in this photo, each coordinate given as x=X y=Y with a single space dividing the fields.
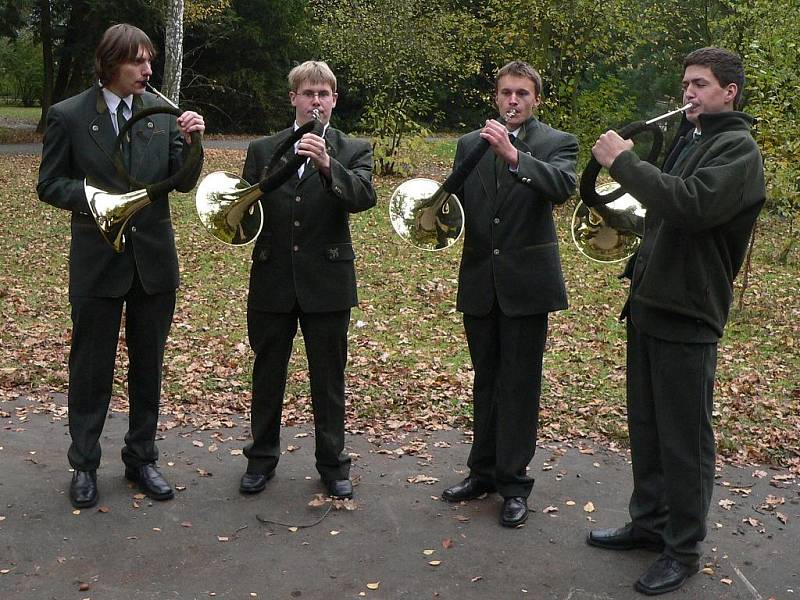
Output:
x=133 y=228
x=297 y=199
x=297 y=223
x=496 y=251
x=337 y=189
x=295 y=248
x=496 y=220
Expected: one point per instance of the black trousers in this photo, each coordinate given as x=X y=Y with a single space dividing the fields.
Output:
x=271 y=336
x=507 y=355
x=95 y=335
x=670 y=399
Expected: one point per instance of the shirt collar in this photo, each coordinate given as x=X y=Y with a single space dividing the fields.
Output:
x=112 y=100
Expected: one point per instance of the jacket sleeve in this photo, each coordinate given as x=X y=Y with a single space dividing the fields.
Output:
x=56 y=184
x=251 y=167
x=178 y=155
x=352 y=184
x=552 y=176
x=708 y=197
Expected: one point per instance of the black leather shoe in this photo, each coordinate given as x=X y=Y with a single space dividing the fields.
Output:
x=468 y=489
x=339 y=488
x=623 y=538
x=515 y=511
x=664 y=575
x=150 y=481
x=83 y=489
x=252 y=483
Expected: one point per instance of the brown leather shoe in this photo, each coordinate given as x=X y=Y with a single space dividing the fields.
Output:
x=468 y=489
x=624 y=538
x=664 y=575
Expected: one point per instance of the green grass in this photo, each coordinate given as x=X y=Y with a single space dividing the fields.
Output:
x=26 y=114
x=409 y=362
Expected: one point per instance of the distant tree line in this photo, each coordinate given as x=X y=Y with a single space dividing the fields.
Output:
x=409 y=67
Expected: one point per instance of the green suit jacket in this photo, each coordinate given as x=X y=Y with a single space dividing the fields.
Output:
x=510 y=244
x=79 y=145
x=304 y=253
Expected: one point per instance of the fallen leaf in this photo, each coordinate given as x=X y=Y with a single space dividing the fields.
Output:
x=707 y=571
x=318 y=500
x=222 y=538
x=422 y=479
x=726 y=503
x=434 y=563
x=781 y=517
x=291 y=448
x=103 y=509
x=751 y=521
x=293 y=529
x=428 y=552
x=447 y=543
x=570 y=503
x=726 y=581
x=236 y=451
x=374 y=586
x=186 y=524
x=474 y=579
x=334 y=532
x=550 y=509
x=198 y=443
x=588 y=507
x=83 y=587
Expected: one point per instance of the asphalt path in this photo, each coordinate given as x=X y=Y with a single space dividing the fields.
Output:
x=400 y=541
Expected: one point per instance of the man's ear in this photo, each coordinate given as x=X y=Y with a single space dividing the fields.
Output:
x=730 y=92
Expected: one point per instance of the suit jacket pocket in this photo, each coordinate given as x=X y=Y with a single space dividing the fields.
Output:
x=261 y=252
x=339 y=252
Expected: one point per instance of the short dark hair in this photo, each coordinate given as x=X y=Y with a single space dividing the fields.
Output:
x=120 y=44
x=519 y=68
x=726 y=66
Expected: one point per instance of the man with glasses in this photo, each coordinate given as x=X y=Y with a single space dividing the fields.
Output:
x=303 y=272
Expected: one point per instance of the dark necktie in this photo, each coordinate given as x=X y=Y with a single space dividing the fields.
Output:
x=126 y=146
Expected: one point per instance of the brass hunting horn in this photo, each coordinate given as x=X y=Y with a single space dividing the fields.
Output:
x=429 y=216
x=608 y=223
x=112 y=212
x=229 y=207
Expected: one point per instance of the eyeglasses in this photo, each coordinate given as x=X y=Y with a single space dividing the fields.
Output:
x=310 y=94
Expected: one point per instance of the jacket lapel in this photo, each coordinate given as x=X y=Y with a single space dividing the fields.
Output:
x=486 y=173
x=101 y=129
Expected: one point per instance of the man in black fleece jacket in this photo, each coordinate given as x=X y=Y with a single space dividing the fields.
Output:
x=701 y=210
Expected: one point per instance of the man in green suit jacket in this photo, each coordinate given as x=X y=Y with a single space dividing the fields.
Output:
x=303 y=271
x=510 y=280
x=78 y=149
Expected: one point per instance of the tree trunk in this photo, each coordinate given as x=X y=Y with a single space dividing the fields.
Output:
x=173 y=51
x=46 y=35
